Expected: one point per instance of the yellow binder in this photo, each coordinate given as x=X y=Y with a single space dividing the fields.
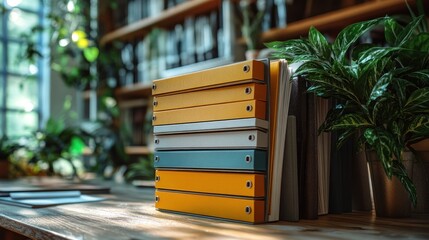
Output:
x=247 y=71
x=225 y=111
x=240 y=209
x=239 y=184
x=236 y=93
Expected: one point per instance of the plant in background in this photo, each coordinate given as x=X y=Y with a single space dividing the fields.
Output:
x=57 y=142
x=142 y=170
x=74 y=49
x=384 y=90
x=7 y=148
x=251 y=27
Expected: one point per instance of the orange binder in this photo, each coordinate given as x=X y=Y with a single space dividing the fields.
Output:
x=236 y=93
x=239 y=184
x=225 y=111
x=247 y=71
x=239 y=209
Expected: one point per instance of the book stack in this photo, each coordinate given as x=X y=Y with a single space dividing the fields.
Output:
x=219 y=140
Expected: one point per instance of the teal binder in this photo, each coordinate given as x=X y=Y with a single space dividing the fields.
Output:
x=251 y=160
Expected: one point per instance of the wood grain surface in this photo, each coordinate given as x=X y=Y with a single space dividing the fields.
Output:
x=129 y=213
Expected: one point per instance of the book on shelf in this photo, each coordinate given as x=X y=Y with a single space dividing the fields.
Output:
x=220 y=136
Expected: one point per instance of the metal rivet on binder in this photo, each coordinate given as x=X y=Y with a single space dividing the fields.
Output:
x=153 y=86
x=156 y=199
x=249 y=108
x=156 y=158
x=157 y=178
x=246 y=68
x=248 y=209
x=249 y=184
x=248 y=90
x=153 y=118
x=251 y=137
x=248 y=158
x=155 y=103
x=156 y=141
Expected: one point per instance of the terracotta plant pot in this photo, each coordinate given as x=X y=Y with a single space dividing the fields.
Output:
x=421 y=177
x=4 y=169
x=390 y=197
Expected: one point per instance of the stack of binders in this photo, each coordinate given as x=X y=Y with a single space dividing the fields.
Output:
x=219 y=140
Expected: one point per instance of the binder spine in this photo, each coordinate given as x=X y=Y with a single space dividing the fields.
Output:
x=233 y=184
x=241 y=160
x=236 y=110
x=250 y=139
x=247 y=71
x=243 y=92
x=239 y=209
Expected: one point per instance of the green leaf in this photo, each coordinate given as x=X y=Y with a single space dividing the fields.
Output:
x=54 y=126
x=392 y=30
x=419 y=125
x=91 y=54
x=344 y=136
x=349 y=35
x=418 y=102
x=421 y=75
x=359 y=49
x=400 y=172
x=319 y=42
x=76 y=146
x=380 y=87
x=332 y=116
x=384 y=147
x=419 y=43
x=408 y=31
x=348 y=121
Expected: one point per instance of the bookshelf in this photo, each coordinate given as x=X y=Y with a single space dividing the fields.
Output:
x=138 y=93
x=167 y=18
x=335 y=20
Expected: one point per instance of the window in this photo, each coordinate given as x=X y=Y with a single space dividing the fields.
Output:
x=22 y=82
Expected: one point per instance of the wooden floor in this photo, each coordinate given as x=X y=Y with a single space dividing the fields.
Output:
x=128 y=213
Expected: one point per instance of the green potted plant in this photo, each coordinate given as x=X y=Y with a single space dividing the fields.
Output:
x=7 y=148
x=384 y=90
x=58 y=142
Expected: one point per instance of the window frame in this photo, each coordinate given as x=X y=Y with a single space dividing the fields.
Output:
x=42 y=63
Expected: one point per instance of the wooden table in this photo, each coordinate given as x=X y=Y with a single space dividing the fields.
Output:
x=129 y=213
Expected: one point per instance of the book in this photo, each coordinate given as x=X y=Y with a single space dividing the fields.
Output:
x=212 y=126
x=235 y=110
x=289 y=201
x=231 y=208
x=247 y=71
x=247 y=139
x=241 y=160
x=236 y=184
x=236 y=93
x=47 y=199
x=42 y=184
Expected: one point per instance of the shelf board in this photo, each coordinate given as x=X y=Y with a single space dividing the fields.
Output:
x=336 y=19
x=138 y=150
x=166 y=18
x=138 y=90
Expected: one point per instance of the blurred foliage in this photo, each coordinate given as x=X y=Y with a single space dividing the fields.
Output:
x=142 y=170
x=7 y=148
x=59 y=140
x=74 y=48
